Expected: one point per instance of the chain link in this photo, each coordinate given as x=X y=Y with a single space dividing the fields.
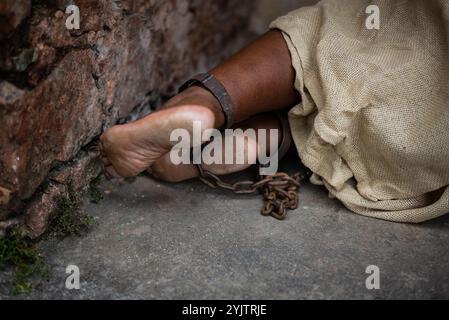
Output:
x=279 y=191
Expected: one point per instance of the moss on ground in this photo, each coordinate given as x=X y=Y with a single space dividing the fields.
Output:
x=68 y=219
x=94 y=193
x=19 y=252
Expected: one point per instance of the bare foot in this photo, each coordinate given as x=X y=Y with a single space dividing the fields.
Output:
x=145 y=144
x=165 y=170
x=132 y=148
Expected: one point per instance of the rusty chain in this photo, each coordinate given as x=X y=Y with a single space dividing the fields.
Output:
x=280 y=191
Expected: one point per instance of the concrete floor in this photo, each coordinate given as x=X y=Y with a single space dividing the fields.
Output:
x=186 y=241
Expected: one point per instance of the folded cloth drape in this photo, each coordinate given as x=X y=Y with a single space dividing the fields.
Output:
x=373 y=124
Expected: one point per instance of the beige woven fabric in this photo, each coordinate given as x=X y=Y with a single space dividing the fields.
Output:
x=373 y=124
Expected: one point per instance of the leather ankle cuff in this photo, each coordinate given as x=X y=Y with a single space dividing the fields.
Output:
x=210 y=83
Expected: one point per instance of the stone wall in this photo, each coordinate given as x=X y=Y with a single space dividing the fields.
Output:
x=60 y=89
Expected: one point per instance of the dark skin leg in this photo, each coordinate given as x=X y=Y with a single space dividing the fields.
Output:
x=259 y=79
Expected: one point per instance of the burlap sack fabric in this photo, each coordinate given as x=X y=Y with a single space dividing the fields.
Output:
x=373 y=124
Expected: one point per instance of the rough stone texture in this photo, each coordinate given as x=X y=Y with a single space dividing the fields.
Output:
x=71 y=177
x=12 y=13
x=59 y=89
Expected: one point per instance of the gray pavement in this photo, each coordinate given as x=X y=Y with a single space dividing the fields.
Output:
x=186 y=241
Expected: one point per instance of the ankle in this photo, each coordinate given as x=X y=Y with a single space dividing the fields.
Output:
x=196 y=95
